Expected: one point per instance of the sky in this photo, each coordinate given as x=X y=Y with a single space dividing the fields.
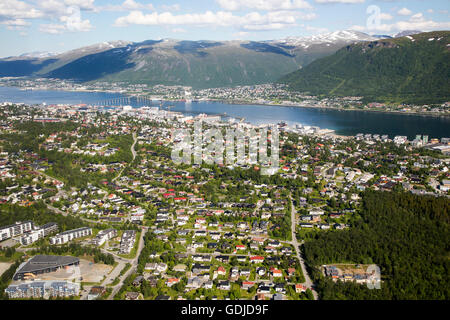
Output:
x=61 y=25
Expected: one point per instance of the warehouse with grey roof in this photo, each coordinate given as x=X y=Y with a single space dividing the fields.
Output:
x=44 y=264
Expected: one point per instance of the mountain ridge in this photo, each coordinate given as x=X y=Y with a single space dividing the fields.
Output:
x=200 y=64
x=410 y=69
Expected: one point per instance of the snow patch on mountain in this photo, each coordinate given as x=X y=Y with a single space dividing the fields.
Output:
x=326 y=38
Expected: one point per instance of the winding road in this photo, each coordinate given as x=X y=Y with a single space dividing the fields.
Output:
x=133 y=262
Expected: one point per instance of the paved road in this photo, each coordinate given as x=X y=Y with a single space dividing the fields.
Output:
x=308 y=283
x=133 y=263
x=132 y=147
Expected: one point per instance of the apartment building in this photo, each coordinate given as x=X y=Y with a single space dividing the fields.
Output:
x=43 y=289
x=70 y=235
x=103 y=236
x=15 y=229
x=127 y=241
x=39 y=233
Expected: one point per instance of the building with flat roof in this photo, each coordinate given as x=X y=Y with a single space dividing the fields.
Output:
x=38 y=233
x=43 y=289
x=49 y=228
x=44 y=264
x=31 y=237
x=127 y=241
x=103 y=236
x=15 y=229
x=69 y=235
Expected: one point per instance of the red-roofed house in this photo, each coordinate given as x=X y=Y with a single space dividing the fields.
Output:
x=247 y=284
x=299 y=288
x=291 y=272
x=221 y=271
x=256 y=259
x=171 y=281
x=276 y=273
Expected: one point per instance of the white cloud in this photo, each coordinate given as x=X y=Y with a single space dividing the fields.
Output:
x=415 y=22
x=17 y=14
x=52 y=28
x=386 y=16
x=418 y=17
x=404 y=12
x=82 y=4
x=251 y=21
x=173 y=7
x=264 y=5
x=128 y=5
x=73 y=26
x=53 y=8
x=71 y=22
x=178 y=30
x=16 y=23
x=14 y=9
x=339 y=1
x=240 y=35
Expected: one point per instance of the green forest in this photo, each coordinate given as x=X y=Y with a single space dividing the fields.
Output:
x=407 y=236
x=66 y=166
x=39 y=214
x=390 y=70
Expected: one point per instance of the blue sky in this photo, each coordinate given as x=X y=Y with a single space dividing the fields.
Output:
x=61 y=25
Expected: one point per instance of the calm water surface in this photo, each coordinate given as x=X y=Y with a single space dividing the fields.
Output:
x=343 y=122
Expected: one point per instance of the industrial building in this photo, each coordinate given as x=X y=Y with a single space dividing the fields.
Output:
x=43 y=264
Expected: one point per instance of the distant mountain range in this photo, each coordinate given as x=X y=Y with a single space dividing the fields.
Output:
x=406 y=33
x=38 y=54
x=200 y=64
x=411 y=69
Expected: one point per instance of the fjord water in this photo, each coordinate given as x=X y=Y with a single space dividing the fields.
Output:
x=343 y=122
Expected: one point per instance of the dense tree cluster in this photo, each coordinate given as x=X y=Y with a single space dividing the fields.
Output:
x=39 y=214
x=390 y=70
x=407 y=236
x=6 y=278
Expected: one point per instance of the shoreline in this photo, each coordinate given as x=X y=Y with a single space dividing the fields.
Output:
x=241 y=102
x=426 y=114
x=230 y=102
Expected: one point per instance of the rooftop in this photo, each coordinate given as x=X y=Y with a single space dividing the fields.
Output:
x=42 y=262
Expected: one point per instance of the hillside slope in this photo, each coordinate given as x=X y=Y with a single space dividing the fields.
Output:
x=199 y=64
x=411 y=69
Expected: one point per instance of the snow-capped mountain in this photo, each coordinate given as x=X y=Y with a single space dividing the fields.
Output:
x=406 y=33
x=199 y=64
x=98 y=47
x=38 y=54
x=327 y=38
